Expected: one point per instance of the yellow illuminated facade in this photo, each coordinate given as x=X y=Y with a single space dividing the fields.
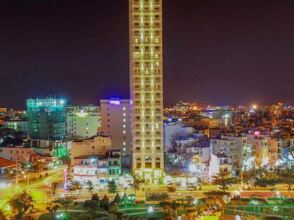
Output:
x=146 y=88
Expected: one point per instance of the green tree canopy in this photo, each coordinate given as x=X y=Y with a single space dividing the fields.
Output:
x=21 y=204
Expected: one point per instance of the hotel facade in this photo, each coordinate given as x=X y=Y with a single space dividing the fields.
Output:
x=146 y=75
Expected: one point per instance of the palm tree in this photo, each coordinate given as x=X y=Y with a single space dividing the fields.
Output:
x=54 y=186
x=90 y=187
x=137 y=183
x=223 y=181
x=112 y=187
x=75 y=185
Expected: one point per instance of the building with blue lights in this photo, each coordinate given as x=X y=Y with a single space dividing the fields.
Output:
x=46 y=118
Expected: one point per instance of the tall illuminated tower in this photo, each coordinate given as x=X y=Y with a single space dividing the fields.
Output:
x=146 y=88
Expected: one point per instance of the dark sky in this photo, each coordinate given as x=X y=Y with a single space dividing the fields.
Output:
x=218 y=52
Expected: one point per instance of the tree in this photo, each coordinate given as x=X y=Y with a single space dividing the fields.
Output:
x=54 y=186
x=75 y=185
x=137 y=183
x=21 y=204
x=66 y=160
x=2 y=215
x=104 y=203
x=112 y=187
x=125 y=200
x=114 y=214
x=95 y=197
x=265 y=182
x=223 y=181
x=216 y=193
x=52 y=209
x=64 y=202
x=39 y=166
x=117 y=199
x=92 y=206
x=90 y=187
x=287 y=177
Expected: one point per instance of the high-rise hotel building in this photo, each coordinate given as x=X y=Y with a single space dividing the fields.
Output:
x=146 y=68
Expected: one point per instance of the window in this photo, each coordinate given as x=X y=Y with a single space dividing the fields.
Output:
x=138 y=163
x=148 y=162
x=157 y=163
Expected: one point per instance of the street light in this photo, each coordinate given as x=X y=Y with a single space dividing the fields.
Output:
x=150 y=209
x=60 y=216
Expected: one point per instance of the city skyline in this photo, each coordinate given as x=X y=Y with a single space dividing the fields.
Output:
x=196 y=114
x=235 y=53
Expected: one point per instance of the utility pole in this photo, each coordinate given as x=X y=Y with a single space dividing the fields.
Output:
x=16 y=175
x=28 y=178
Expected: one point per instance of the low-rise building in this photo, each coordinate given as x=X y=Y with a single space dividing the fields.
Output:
x=51 y=148
x=98 y=145
x=17 y=153
x=174 y=129
x=98 y=169
x=93 y=168
x=224 y=146
x=114 y=163
x=19 y=125
x=219 y=163
x=260 y=148
x=244 y=152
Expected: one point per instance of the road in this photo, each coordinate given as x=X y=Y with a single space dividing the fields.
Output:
x=41 y=190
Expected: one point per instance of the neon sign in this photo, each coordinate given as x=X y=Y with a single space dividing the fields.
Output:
x=114 y=102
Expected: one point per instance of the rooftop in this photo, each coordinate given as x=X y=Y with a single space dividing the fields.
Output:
x=4 y=163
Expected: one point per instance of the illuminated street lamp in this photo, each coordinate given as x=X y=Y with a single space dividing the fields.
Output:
x=254 y=106
x=150 y=209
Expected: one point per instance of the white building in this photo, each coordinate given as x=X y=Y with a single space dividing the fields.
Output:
x=173 y=130
x=116 y=123
x=244 y=152
x=219 y=163
x=228 y=148
x=199 y=163
x=82 y=122
x=92 y=168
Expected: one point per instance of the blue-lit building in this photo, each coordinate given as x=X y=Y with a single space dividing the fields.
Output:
x=46 y=118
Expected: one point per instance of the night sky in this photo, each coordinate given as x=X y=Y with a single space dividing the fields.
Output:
x=215 y=51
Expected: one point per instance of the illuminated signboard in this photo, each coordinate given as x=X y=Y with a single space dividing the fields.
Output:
x=114 y=102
